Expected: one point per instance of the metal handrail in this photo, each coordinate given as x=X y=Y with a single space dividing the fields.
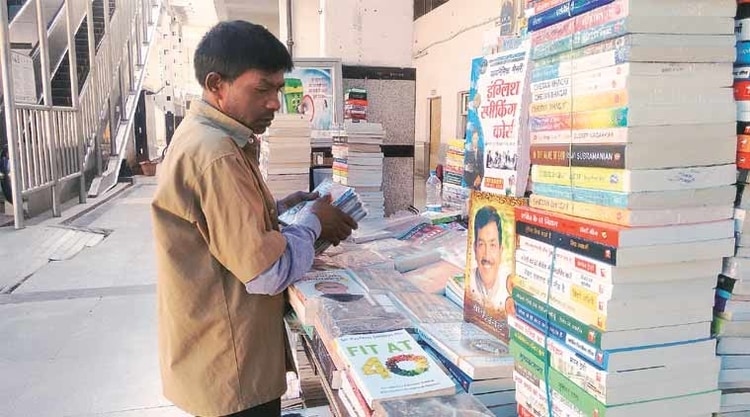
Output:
x=54 y=143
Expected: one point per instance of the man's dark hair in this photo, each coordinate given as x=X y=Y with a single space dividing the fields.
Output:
x=485 y=216
x=231 y=48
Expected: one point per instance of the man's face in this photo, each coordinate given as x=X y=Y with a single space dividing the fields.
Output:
x=488 y=251
x=252 y=98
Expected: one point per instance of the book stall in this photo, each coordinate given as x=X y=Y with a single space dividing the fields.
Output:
x=599 y=267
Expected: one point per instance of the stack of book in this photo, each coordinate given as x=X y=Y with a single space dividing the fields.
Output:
x=613 y=317
x=454 y=195
x=358 y=163
x=343 y=197
x=480 y=363
x=461 y=404
x=732 y=307
x=285 y=155
x=355 y=104
x=732 y=329
x=387 y=366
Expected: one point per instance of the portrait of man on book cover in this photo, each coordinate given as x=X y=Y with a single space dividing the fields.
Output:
x=490 y=265
x=489 y=279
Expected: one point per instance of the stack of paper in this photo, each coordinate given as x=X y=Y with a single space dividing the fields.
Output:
x=632 y=124
x=732 y=306
x=285 y=155
x=358 y=163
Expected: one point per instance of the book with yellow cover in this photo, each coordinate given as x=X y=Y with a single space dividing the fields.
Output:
x=490 y=262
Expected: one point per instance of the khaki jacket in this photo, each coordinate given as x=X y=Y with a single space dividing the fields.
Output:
x=221 y=350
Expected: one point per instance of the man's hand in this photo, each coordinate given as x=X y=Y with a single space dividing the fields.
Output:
x=335 y=225
x=293 y=199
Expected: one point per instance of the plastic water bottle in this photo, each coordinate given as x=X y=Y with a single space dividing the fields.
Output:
x=434 y=188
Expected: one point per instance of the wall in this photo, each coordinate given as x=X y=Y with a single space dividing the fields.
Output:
x=391 y=103
x=305 y=28
x=445 y=42
x=368 y=32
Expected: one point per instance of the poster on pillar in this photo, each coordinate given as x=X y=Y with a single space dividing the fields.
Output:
x=497 y=146
x=314 y=88
x=309 y=91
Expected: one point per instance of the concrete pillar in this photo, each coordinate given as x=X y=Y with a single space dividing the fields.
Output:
x=9 y=104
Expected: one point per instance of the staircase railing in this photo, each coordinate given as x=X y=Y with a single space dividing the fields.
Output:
x=56 y=144
x=45 y=160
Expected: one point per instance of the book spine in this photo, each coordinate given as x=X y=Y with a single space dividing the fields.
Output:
x=458 y=375
x=599 y=271
x=551 y=16
x=578 y=336
x=594 y=178
x=620 y=54
x=596 y=119
x=574 y=301
x=599 y=25
x=588 y=156
x=580 y=103
x=553 y=39
x=613 y=215
x=573 y=244
x=567 y=404
x=574 y=366
x=565 y=270
x=583 y=401
x=597 y=233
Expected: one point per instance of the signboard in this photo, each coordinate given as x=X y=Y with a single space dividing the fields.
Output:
x=24 y=82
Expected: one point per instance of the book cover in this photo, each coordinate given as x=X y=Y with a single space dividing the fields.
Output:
x=428 y=308
x=392 y=365
x=465 y=405
x=490 y=262
x=496 y=152
x=479 y=354
x=371 y=314
x=338 y=285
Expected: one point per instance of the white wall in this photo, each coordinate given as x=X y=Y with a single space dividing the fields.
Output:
x=445 y=42
x=368 y=32
x=305 y=28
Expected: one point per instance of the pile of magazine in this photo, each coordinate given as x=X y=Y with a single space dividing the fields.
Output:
x=343 y=197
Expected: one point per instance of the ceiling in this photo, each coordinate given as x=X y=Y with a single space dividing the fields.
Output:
x=205 y=13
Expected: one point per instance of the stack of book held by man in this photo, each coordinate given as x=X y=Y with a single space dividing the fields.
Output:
x=632 y=125
x=455 y=196
x=343 y=197
x=358 y=163
x=732 y=307
x=285 y=155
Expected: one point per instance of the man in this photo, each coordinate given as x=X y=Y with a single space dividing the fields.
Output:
x=223 y=263
x=474 y=162
x=489 y=282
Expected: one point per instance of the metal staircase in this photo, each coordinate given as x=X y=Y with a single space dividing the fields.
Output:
x=95 y=73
